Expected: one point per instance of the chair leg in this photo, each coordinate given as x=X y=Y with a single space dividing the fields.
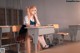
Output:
x=60 y=39
x=18 y=47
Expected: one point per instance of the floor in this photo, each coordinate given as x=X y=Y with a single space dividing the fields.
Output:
x=65 y=48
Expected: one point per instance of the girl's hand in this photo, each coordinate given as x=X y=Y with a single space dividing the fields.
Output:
x=28 y=13
x=35 y=14
x=37 y=21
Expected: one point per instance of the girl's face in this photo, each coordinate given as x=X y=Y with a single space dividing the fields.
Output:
x=33 y=11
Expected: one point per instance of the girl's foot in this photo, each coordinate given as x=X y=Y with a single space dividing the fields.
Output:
x=46 y=46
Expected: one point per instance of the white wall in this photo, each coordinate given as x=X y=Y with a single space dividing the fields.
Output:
x=62 y=12
x=10 y=3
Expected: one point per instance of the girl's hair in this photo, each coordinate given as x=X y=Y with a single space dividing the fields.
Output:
x=33 y=6
x=30 y=7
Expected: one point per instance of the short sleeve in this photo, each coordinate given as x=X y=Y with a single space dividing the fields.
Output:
x=25 y=20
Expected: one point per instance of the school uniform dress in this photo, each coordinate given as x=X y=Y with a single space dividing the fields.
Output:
x=23 y=31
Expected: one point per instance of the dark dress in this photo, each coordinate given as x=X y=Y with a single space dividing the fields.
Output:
x=23 y=31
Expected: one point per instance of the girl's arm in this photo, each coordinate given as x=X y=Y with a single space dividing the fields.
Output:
x=27 y=18
x=37 y=20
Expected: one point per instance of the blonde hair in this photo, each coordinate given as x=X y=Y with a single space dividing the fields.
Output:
x=30 y=7
x=33 y=6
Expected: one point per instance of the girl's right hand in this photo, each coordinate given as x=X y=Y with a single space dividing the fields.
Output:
x=28 y=13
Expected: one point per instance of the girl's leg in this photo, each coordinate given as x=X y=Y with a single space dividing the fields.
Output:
x=42 y=41
x=39 y=46
x=27 y=44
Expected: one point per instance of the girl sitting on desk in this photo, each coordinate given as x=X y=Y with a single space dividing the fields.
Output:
x=31 y=19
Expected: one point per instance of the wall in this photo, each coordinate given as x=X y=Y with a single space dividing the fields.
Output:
x=50 y=11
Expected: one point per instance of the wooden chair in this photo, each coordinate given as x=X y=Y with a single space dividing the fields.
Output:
x=60 y=34
x=15 y=29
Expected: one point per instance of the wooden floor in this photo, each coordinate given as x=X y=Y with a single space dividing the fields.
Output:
x=66 y=48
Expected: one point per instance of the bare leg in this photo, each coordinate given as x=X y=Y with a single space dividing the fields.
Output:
x=39 y=46
x=27 y=44
x=42 y=41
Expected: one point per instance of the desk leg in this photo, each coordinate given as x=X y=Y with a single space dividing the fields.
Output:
x=0 y=36
x=35 y=40
x=35 y=48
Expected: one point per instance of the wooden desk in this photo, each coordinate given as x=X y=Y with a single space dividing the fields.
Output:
x=74 y=32
x=36 y=31
x=3 y=29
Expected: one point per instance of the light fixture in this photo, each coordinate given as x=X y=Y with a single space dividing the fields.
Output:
x=72 y=0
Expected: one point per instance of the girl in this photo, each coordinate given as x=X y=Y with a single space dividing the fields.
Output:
x=31 y=19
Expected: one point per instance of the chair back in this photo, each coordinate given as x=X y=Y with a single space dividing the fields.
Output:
x=16 y=28
x=56 y=26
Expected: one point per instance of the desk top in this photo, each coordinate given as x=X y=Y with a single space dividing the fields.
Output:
x=4 y=26
x=75 y=27
x=41 y=27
